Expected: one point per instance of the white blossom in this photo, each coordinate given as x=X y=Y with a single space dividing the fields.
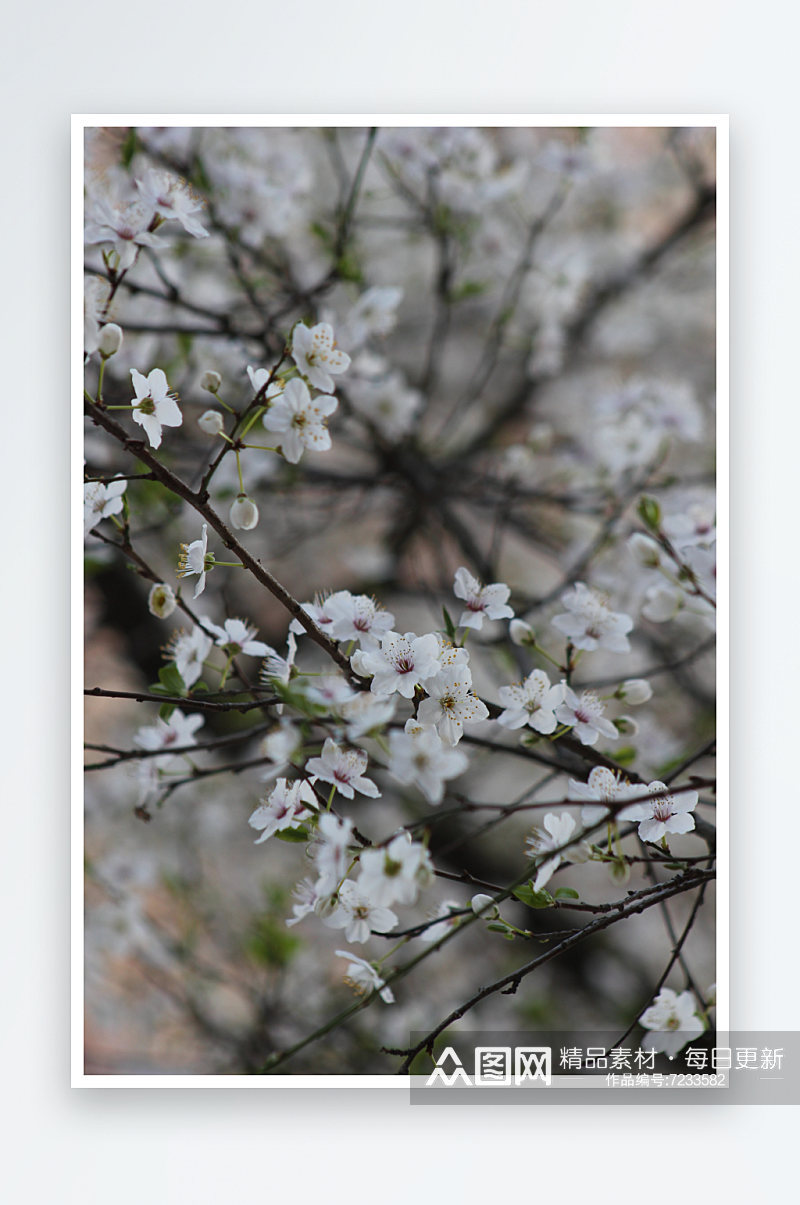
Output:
x=321 y=611
x=171 y=198
x=607 y=788
x=420 y=756
x=344 y=769
x=300 y=420
x=401 y=663
x=358 y=915
x=521 y=633
x=671 y=1021
x=363 y=977
x=585 y=716
x=279 y=746
x=154 y=406
x=396 y=872
x=277 y=667
x=662 y=603
x=284 y=808
x=484 y=906
x=645 y=550
x=445 y=920
x=589 y=622
x=331 y=852
x=305 y=893
x=314 y=352
x=696 y=528
x=555 y=832
x=531 y=702
x=161 y=601
x=189 y=650
x=258 y=379
x=451 y=703
x=358 y=617
x=490 y=601
x=365 y=712
x=194 y=559
x=374 y=314
x=101 y=501
x=210 y=381
x=383 y=397
x=666 y=814
x=126 y=226
x=634 y=691
x=236 y=636
x=178 y=731
x=110 y=340
x=96 y=292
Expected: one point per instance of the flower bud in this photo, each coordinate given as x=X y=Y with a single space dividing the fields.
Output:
x=484 y=907
x=663 y=603
x=110 y=340
x=244 y=513
x=634 y=691
x=626 y=725
x=644 y=550
x=211 y=422
x=326 y=905
x=649 y=512
x=521 y=633
x=210 y=381
x=357 y=662
x=161 y=600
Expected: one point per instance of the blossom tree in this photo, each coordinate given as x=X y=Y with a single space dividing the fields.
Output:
x=398 y=497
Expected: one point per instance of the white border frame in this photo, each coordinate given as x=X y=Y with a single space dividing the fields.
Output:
x=720 y=123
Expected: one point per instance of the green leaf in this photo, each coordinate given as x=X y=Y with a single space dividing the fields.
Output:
x=467 y=289
x=170 y=678
x=449 y=626
x=294 y=834
x=128 y=149
x=497 y=928
x=566 y=893
x=165 y=711
x=649 y=512
x=533 y=899
x=624 y=757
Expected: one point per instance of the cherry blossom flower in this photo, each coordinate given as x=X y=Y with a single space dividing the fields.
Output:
x=363 y=977
x=189 y=650
x=607 y=788
x=666 y=814
x=300 y=420
x=279 y=746
x=358 y=915
x=314 y=352
x=375 y=313
x=110 y=340
x=452 y=703
x=396 y=872
x=236 y=637
x=179 y=730
x=421 y=757
x=258 y=379
x=531 y=702
x=490 y=601
x=385 y=400
x=585 y=715
x=358 y=617
x=344 y=768
x=305 y=893
x=696 y=528
x=194 y=558
x=365 y=712
x=277 y=667
x=161 y=601
x=554 y=833
x=671 y=1021
x=321 y=611
x=330 y=691
x=449 y=655
x=171 y=198
x=590 y=623
x=101 y=501
x=154 y=406
x=283 y=809
x=126 y=226
x=447 y=922
x=210 y=381
x=645 y=550
x=401 y=663
x=331 y=853
x=521 y=633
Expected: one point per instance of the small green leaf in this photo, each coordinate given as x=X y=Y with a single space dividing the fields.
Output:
x=624 y=757
x=449 y=626
x=294 y=834
x=533 y=899
x=566 y=893
x=165 y=711
x=169 y=676
x=497 y=928
x=649 y=512
x=128 y=149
